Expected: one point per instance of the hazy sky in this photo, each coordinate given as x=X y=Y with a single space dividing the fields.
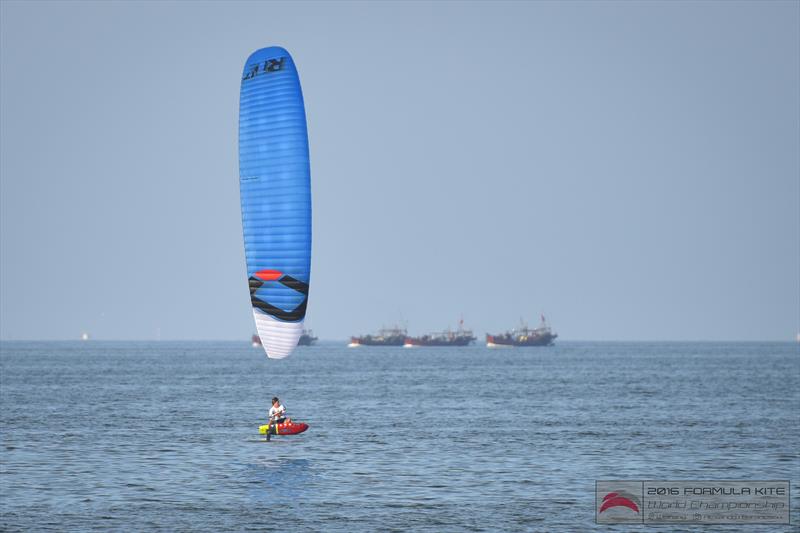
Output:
x=630 y=169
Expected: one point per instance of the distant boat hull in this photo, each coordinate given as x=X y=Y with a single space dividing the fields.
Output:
x=490 y=344
x=385 y=337
x=377 y=341
x=506 y=339
x=464 y=340
x=307 y=340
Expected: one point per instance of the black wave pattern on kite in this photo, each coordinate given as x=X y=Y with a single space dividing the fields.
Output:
x=258 y=279
x=620 y=499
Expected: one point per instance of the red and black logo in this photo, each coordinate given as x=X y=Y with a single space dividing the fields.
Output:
x=258 y=279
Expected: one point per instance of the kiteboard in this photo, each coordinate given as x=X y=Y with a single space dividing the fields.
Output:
x=287 y=428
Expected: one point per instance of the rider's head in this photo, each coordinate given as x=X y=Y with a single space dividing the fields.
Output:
x=275 y=400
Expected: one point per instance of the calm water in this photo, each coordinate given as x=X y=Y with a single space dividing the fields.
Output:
x=107 y=435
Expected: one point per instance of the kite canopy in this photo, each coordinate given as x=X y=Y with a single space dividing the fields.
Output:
x=275 y=187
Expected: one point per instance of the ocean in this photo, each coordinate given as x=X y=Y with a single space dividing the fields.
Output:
x=163 y=435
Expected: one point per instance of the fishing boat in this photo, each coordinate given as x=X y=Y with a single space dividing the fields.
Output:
x=523 y=336
x=307 y=338
x=395 y=336
x=459 y=337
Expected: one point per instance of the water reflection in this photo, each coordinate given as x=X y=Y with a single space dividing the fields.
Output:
x=280 y=481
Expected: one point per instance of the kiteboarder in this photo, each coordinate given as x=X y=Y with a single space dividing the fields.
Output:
x=277 y=415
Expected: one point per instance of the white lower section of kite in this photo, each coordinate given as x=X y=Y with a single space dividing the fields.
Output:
x=278 y=338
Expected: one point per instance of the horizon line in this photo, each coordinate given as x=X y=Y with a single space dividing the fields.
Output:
x=344 y=340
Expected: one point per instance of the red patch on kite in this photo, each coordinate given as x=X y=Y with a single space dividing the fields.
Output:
x=269 y=275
